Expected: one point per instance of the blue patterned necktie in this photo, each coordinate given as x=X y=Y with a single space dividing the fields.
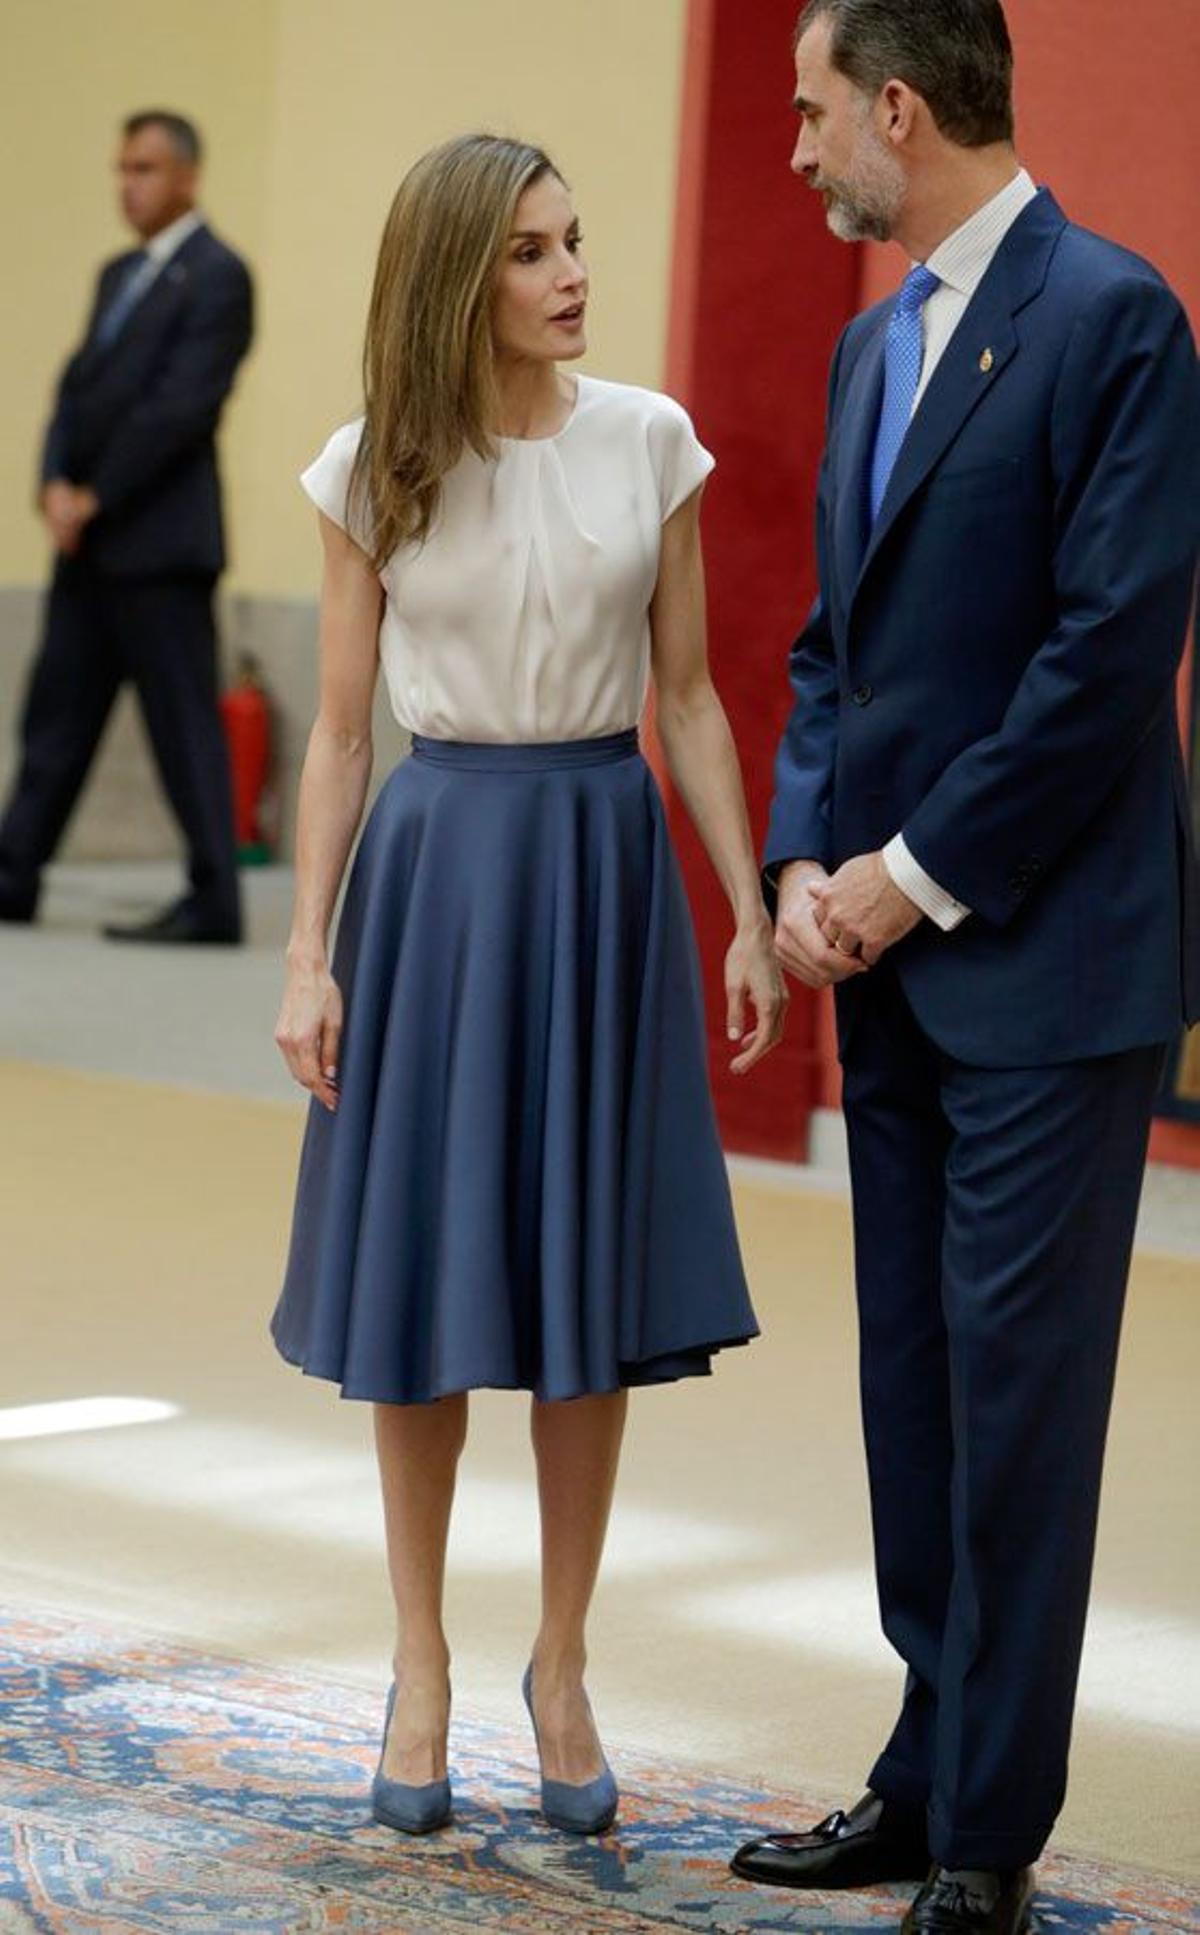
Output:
x=903 y=356
x=134 y=283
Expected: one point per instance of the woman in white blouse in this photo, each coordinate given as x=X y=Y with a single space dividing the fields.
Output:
x=511 y=1174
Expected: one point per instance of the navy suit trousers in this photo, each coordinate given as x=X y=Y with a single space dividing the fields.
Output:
x=99 y=632
x=994 y=1216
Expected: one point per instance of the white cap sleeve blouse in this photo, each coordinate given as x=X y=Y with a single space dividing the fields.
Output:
x=525 y=615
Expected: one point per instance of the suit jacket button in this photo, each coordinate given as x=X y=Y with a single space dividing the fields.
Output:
x=863 y=694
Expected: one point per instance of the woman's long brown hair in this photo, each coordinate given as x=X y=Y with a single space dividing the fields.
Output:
x=428 y=361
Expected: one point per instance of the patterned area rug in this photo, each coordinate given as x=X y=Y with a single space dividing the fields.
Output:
x=146 y=1786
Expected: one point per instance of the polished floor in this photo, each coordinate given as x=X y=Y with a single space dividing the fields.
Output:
x=146 y=1156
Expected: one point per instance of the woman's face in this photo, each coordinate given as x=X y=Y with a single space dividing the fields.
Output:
x=540 y=305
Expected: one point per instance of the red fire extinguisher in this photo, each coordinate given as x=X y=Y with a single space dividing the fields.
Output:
x=246 y=716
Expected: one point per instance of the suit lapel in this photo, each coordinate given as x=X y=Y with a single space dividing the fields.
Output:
x=171 y=280
x=161 y=295
x=864 y=397
x=983 y=344
x=111 y=278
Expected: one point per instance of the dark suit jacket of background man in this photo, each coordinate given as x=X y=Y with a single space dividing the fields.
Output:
x=137 y=420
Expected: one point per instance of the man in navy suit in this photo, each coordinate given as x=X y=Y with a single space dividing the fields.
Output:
x=980 y=836
x=131 y=499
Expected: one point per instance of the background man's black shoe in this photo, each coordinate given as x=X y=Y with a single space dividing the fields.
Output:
x=873 y=1842
x=18 y=906
x=180 y=923
x=971 y=1902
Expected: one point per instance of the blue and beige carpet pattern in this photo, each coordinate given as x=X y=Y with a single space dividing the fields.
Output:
x=146 y=1786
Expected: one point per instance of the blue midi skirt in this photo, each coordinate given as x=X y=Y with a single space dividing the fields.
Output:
x=522 y=1186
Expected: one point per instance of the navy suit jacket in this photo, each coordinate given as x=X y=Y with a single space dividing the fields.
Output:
x=137 y=419
x=992 y=669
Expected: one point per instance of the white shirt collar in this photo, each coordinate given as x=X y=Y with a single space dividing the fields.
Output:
x=963 y=259
x=161 y=247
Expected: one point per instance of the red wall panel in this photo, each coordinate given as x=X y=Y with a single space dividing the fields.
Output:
x=761 y=292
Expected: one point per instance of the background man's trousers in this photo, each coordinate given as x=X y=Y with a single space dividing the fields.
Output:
x=994 y=1214
x=100 y=631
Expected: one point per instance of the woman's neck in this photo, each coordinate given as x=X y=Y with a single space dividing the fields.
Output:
x=533 y=399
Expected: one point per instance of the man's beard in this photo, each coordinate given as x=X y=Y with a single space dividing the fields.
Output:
x=863 y=207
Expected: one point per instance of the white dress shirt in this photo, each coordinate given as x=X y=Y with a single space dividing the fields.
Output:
x=960 y=262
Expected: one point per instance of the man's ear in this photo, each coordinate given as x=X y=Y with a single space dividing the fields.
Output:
x=896 y=112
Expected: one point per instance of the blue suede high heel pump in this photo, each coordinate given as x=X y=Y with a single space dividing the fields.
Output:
x=585 y=1807
x=411 y=1810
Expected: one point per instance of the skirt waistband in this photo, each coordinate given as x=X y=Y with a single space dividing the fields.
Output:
x=504 y=756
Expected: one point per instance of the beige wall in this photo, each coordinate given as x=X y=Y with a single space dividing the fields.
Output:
x=312 y=111
x=69 y=72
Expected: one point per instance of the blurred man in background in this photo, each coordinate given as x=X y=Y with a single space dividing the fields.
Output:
x=131 y=499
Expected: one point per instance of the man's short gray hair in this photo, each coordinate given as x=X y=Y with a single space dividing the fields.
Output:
x=183 y=134
x=956 y=54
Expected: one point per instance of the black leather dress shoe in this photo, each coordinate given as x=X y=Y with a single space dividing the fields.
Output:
x=971 y=1902
x=181 y=923
x=873 y=1842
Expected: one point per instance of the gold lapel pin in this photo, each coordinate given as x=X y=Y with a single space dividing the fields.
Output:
x=987 y=362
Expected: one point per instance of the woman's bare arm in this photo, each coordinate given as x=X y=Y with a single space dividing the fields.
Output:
x=703 y=763
x=333 y=788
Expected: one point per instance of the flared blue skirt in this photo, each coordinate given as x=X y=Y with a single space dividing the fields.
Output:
x=522 y=1185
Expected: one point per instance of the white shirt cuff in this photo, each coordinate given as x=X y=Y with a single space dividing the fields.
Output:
x=911 y=878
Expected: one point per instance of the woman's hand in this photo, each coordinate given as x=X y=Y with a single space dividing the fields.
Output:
x=752 y=974
x=309 y=1029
